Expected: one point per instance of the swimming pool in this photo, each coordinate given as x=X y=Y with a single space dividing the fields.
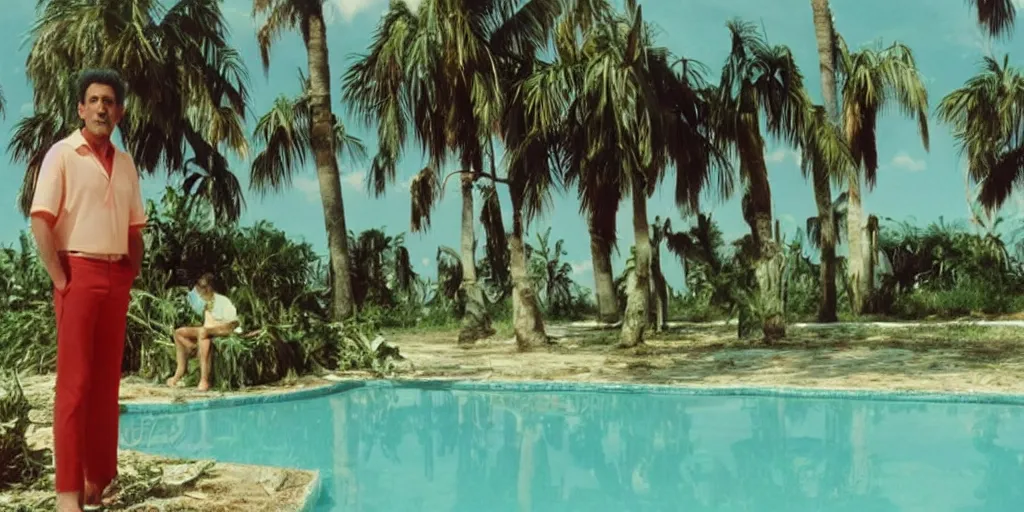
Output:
x=456 y=449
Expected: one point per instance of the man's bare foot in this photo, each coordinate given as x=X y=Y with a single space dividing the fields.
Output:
x=92 y=498
x=173 y=381
x=68 y=502
x=203 y=386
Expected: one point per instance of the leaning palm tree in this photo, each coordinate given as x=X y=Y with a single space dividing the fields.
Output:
x=996 y=16
x=986 y=120
x=621 y=114
x=439 y=71
x=872 y=79
x=760 y=80
x=186 y=88
x=307 y=16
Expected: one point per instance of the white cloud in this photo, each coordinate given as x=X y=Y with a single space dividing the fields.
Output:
x=309 y=187
x=239 y=17
x=908 y=163
x=425 y=262
x=348 y=9
x=26 y=109
x=404 y=184
x=781 y=155
x=777 y=156
x=581 y=267
x=350 y=181
x=355 y=181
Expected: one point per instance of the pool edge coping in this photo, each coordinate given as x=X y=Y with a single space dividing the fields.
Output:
x=534 y=386
x=314 y=490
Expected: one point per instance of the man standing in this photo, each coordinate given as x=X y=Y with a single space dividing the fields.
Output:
x=87 y=220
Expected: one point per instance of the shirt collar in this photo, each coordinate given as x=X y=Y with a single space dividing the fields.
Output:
x=77 y=140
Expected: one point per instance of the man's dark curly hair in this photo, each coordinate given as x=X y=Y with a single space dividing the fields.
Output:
x=101 y=76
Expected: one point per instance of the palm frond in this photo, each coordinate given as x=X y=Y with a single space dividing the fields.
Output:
x=996 y=16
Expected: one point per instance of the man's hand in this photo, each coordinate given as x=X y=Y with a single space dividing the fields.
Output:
x=42 y=231
x=136 y=247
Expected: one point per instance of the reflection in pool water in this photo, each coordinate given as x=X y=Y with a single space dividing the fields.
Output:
x=410 y=449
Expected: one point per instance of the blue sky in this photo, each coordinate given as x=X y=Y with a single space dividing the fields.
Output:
x=913 y=184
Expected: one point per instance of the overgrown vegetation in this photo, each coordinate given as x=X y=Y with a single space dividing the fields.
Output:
x=19 y=465
x=281 y=289
x=941 y=271
x=278 y=285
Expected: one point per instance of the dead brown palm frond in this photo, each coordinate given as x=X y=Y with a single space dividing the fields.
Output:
x=996 y=16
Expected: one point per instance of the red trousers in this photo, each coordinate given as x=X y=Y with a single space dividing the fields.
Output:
x=91 y=316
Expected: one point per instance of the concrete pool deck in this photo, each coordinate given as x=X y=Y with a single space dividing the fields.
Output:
x=953 y=359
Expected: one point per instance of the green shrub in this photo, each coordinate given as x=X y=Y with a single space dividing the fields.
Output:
x=18 y=464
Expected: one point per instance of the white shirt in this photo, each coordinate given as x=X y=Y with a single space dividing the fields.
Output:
x=223 y=309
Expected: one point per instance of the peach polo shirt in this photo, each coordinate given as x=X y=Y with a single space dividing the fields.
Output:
x=94 y=211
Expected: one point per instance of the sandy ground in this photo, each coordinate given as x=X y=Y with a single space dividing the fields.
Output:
x=951 y=358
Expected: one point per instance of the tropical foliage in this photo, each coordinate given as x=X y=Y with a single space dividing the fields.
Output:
x=19 y=465
x=186 y=99
x=279 y=286
x=524 y=98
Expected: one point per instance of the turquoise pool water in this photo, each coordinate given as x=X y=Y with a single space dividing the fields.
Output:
x=445 y=450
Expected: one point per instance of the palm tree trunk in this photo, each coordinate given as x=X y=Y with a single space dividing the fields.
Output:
x=638 y=297
x=824 y=33
x=322 y=141
x=658 y=311
x=870 y=263
x=601 y=255
x=476 y=322
x=768 y=267
x=527 y=321
x=855 y=235
x=827 y=242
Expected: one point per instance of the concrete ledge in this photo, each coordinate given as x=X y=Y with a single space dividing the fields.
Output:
x=313 y=492
x=591 y=387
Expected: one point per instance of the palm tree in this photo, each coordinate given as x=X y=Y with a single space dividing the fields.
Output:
x=601 y=189
x=382 y=272
x=621 y=113
x=186 y=87
x=603 y=238
x=996 y=16
x=530 y=178
x=307 y=16
x=872 y=79
x=986 y=121
x=760 y=79
x=826 y=238
x=283 y=131
x=3 y=103
x=442 y=71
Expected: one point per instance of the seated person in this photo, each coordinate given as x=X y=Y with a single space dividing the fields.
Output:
x=219 y=319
